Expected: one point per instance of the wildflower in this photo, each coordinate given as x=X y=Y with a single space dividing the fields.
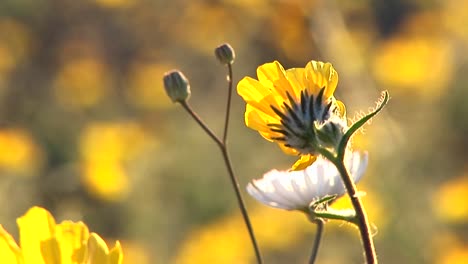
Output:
x=43 y=242
x=296 y=190
x=292 y=106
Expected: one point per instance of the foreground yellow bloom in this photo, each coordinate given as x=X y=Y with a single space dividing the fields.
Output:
x=288 y=106
x=44 y=242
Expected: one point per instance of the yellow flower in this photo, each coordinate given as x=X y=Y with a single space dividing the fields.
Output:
x=44 y=242
x=288 y=106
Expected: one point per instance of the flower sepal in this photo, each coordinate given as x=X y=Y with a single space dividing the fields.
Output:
x=362 y=121
x=347 y=215
x=330 y=133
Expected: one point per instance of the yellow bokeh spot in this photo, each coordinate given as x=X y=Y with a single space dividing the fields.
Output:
x=114 y=141
x=224 y=241
x=18 y=152
x=14 y=43
x=115 y=3
x=106 y=148
x=146 y=87
x=449 y=249
x=106 y=180
x=450 y=200
x=136 y=252
x=374 y=209
x=212 y=23
x=82 y=83
x=421 y=65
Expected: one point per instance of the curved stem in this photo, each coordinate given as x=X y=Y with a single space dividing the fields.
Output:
x=210 y=133
x=361 y=216
x=318 y=238
x=235 y=184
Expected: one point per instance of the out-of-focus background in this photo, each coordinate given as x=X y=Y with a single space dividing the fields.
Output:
x=87 y=131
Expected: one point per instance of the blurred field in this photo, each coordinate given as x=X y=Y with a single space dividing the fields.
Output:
x=87 y=132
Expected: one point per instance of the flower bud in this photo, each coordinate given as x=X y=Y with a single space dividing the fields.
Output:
x=225 y=54
x=330 y=133
x=177 y=86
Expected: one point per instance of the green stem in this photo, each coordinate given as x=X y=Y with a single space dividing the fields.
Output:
x=234 y=182
x=317 y=240
x=361 y=216
x=332 y=216
x=228 y=104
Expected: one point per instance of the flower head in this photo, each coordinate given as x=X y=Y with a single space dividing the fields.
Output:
x=289 y=106
x=44 y=242
x=296 y=190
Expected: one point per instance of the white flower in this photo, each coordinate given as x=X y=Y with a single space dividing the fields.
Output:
x=295 y=190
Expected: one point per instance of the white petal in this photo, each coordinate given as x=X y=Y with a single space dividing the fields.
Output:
x=297 y=189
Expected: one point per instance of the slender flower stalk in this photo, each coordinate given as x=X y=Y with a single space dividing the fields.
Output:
x=222 y=144
x=318 y=237
x=338 y=160
x=361 y=216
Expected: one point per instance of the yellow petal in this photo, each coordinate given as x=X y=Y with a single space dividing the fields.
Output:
x=259 y=96
x=288 y=150
x=319 y=75
x=72 y=239
x=273 y=75
x=304 y=162
x=37 y=228
x=258 y=120
x=97 y=250
x=116 y=254
x=341 y=108
x=296 y=79
x=9 y=250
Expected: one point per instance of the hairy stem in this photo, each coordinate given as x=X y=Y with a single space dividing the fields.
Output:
x=361 y=216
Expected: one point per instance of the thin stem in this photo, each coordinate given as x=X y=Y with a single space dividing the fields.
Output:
x=234 y=182
x=350 y=218
x=361 y=216
x=210 y=133
x=318 y=238
x=228 y=104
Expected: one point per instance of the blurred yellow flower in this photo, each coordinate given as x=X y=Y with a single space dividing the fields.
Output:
x=422 y=65
x=106 y=180
x=450 y=200
x=18 y=152
x=222 y=241
x=449 y=249
x=15 y=41
x=115 y=3
x=212 y=24
x=374 y=209
x=285 y=105
x=82 y=83
x=106 y=147
x=138 y=253
x=145 y=87
x=44 y=242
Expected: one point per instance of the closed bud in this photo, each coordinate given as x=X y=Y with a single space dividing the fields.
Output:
x=330 y=133
x=177 y=86
x=225 y=54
